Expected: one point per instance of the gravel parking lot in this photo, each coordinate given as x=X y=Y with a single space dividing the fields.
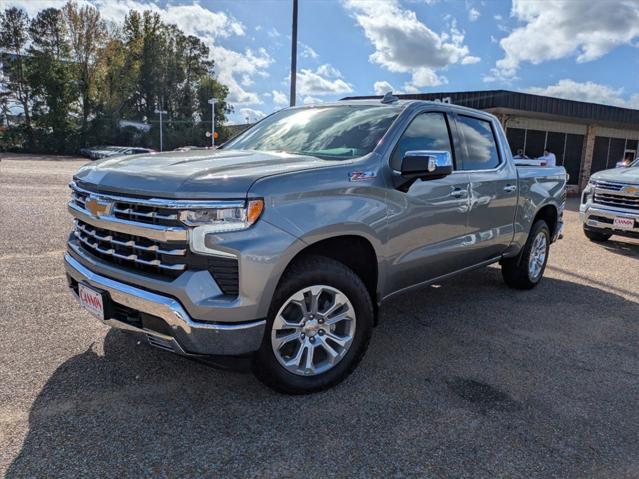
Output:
x=464 y=379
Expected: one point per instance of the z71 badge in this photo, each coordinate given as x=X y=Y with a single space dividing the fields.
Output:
x=361 y=175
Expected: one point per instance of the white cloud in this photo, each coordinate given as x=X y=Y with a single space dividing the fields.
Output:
x=469 y=60
x=280 y=98
x=307 y=51
x=473 y=14
x=329 y=71
x=193 y=19
x=587 y=91
x=566 y=28
x=273 y=33
x=382 y=87
x=230 y=63
x=326 y=80
x=309 y=100
x=251 y=114
x=246 y=80
x=404 y=44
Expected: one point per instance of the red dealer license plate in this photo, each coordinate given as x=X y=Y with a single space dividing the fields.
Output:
x=91 y=300
x=623 y=223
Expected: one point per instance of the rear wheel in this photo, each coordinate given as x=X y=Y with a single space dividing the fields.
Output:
x=318 y=328
x=526 y=271
x=598 y=236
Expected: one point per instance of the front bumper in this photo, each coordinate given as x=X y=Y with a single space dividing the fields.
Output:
x=597 y=217
x=163 y=319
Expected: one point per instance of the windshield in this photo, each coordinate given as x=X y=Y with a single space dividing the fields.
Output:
x=335 y=132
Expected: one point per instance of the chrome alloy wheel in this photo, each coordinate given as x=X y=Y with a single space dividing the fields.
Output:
x=537 y=256
x=313 y=330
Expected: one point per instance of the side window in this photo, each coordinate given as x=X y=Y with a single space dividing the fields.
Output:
x=428 y=131
x=480 y=143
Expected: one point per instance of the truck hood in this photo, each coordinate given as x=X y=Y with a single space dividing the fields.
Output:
x=623 y=175
x=191 y=174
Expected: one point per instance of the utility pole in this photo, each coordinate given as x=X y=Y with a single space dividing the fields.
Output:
x=294 y=54
x=212 y=103
x=161 y=112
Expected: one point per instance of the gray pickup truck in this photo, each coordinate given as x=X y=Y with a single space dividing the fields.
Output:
x=610 y=203
x=282 y=245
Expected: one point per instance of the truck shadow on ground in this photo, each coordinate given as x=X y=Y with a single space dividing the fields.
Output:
x=621 y=247
x=467 y=378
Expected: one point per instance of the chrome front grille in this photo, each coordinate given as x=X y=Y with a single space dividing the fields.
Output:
x=144 y=236
x=129 y=250
x=612 y=194
x=132 y=209
x=609 y=185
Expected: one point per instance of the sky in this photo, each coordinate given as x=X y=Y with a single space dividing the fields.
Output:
x=583 y=50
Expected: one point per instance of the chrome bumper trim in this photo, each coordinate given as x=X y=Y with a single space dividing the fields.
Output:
x=159 y=233
x=588 y=211
x=190 y=337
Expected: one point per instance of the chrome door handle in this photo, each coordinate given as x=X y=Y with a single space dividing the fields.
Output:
x=459 y=193
x=510 y=188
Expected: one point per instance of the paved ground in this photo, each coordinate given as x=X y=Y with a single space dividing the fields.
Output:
x=469 y=379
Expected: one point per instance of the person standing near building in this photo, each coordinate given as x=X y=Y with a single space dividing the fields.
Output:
x=549 y=158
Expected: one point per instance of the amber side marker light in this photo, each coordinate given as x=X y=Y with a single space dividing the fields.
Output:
x=254 y=211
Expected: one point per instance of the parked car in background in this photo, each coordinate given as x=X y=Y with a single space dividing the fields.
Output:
x=610 y=203
x=98 y=152
x=189 y=148
x=283 y=243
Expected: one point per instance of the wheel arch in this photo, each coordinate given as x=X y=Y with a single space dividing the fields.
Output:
x=550 y=214
x=354 y=251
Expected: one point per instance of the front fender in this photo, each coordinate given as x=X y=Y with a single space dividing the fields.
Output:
x=322 y=204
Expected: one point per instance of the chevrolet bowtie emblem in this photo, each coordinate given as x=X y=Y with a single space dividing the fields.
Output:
x=98 y=207
x=630 y=190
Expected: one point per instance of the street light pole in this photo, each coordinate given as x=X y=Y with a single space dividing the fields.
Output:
x=294 y=54
x=161 y=112
x=212 y=103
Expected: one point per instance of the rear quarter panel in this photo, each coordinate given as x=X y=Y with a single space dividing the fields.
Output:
x=538 y=187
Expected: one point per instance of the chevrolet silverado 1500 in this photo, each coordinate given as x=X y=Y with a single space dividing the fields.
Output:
x=610 y=203
x=283 y=244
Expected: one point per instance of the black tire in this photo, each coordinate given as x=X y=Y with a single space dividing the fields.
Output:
x=515 y=271
x=309 y=271
x=597 y=236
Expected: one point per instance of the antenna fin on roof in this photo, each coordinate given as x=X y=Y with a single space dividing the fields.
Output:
x=389 y=98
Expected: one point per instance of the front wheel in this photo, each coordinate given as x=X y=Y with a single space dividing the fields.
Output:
x=526 y=270
x=318 y=329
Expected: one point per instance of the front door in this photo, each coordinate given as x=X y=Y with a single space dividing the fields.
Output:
x=427 y=224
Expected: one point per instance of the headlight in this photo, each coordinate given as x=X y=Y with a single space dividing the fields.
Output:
x=223 y=219
x=588 y=192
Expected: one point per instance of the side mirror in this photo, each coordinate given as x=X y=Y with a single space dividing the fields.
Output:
x=426 y=164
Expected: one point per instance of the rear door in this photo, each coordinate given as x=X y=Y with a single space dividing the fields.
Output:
x=493 y=187
x=426 y=223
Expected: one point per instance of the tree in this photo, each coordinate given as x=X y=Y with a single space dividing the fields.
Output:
x=51 y=78
x=209 y=87
x=77 y=77
x=195 y=64
x=14 y=25
x=87 y=34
